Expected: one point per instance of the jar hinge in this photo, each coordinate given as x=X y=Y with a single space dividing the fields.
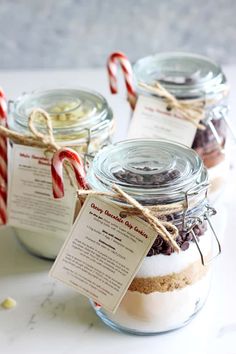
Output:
x=86 y=154
x=9 y=105
x=217 y=137
x=192 y=196
x=90 y=156
x=193 y=221
x=224 y=115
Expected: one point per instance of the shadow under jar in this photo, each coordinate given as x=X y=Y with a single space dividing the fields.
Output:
x=170 y=287
x=190 y=77
x=81 y=119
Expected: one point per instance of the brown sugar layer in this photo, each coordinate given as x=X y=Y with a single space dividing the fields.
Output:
x=170 y=282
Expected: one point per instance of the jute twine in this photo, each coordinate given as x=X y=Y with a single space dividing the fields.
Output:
x=191 y=110
x=37 y=139
x=165 y=229
x=151 y=214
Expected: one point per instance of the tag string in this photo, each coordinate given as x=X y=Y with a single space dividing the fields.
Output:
x=191 y=110
x=165 y=229
x=38 y=139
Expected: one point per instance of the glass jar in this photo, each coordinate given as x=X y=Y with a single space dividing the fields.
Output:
x=81 y=119
x=191 y=77
x=169 y=288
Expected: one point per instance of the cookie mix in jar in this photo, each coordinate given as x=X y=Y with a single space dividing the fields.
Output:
x=80 y=119
x=190 y=79
x=171 y=180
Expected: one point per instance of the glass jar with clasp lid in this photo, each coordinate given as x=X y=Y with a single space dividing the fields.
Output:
x=198 y=80
x=81 y=119
x=171 y=181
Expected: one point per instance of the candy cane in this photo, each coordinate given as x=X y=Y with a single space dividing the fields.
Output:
x=66 y=154
x=2 y=93
x=127 y=72
x=3 y=160
x=96 y=305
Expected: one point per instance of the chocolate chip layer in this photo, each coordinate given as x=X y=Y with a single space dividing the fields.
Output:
x=147 y=180
x=157 y=179
x=206 y=145
x=160 y=246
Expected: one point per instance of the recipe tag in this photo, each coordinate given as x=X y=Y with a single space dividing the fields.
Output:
x=151 y=119
x=31 y=204
x=103 y=252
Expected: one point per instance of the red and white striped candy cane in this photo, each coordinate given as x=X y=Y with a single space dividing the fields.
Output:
x=96 y=305
x=3 y=160
x=119 y=57
x=66 y=154
x=3 y=107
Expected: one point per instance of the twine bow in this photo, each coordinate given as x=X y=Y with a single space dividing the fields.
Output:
x=37 y=139
x=165 y=229
x=192 y=111
x=47 y=139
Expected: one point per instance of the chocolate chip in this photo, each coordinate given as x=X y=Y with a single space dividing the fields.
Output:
x=154 y=179
x=183 y=240
x=168 y=251
x=139 y=179
x=184 y=246
x=174 y=174
x=179 y=239
x=146 y=168
x=189 y=237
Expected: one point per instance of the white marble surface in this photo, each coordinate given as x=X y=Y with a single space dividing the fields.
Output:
x=50 y=318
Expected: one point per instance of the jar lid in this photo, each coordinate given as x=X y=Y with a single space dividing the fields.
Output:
x=184 y=75
x=70 y=109
x=148 y=169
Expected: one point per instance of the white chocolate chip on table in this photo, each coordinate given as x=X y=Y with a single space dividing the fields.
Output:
x=8 y=303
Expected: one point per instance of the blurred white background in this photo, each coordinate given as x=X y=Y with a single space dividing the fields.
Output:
x=81 y=33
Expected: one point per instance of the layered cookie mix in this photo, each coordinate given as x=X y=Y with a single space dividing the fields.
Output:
x=170 y=287
x=165 y=277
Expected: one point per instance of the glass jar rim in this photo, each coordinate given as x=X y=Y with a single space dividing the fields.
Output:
x=98 y=111
x=162 y=157
x=185 y=75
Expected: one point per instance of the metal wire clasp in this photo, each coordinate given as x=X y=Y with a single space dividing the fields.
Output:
x=222 y=112
x=9 y=105
x=192 y=197
x=86 y=154
x=205 y=217
x=224 y=115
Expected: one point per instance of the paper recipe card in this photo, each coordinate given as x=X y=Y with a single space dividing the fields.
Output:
x=103 y=252
x=31 y=205
x=151 y=119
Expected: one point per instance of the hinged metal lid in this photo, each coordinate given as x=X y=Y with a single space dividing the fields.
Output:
x=148 y=169
x=71 y=110
x=182 y=74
